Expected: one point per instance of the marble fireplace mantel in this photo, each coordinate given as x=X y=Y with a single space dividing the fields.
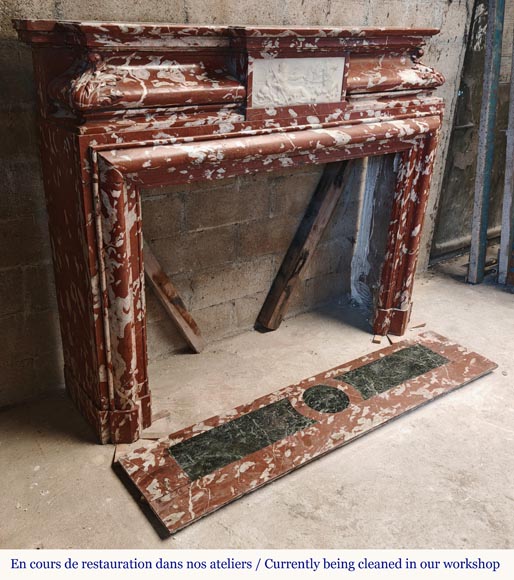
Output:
x=127 y=106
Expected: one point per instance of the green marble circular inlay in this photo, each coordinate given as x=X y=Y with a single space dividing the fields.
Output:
x=326 y=399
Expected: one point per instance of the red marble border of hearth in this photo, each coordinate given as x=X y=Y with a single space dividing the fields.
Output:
x=178 y=502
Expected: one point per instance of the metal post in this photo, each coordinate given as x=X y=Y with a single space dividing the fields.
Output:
x=486 y=141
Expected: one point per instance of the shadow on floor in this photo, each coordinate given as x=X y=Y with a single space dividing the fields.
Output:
x=53 y=417
x=343 y=311
x=348 y=314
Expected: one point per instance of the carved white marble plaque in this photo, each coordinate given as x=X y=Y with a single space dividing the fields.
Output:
x=297 y=81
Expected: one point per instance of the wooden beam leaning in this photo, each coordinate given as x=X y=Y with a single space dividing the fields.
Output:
x=171 y=301
x=324 y=200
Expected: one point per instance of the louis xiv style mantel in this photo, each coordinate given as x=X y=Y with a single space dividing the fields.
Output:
x=127 y=106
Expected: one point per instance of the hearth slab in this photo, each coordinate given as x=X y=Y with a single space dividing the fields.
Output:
x=199 y=469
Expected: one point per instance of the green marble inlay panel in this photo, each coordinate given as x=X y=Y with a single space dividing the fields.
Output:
x=236 y=439
x=326 y=399
x=392 y=370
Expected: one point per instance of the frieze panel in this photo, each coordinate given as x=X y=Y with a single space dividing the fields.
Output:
x=297 y=81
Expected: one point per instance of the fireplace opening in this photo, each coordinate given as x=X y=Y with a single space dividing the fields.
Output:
x=221 y=244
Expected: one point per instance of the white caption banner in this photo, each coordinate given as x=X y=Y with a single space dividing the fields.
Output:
x=240 y=564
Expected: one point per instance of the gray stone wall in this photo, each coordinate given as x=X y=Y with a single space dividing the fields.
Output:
x=236 y=232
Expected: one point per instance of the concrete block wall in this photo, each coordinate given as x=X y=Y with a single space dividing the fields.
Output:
x=30 y=355
x=246 y=247
x=222 y=245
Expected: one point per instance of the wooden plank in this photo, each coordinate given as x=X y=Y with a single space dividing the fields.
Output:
x=486 y=141
x=318 y=214
x=506 y=257
x=171 y=301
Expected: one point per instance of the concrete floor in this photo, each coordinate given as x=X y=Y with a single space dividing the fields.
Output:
x=440 y=477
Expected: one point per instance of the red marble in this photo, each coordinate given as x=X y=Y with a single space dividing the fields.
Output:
x=177 y=501
x=124 y=106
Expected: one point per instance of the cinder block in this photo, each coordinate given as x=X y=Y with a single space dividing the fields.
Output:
x=39 y=288
x=325 y=289
x=217 y=321
x=17 y=87
x=181 y=189
x=409 y=13
x=270 y=236
x=225 y=203
x=214 y=322
x=256 y=185
x=292 y=193
x=24 y=9
x=233 y=12
x=247 y=309
x=48 y=372
x=17 y=381
x=24 y=241
x=21 y=191
x=11 y=291
x=327 y=258
x=163 y=215
x=307 y=13
x=163 y=339
x=355 y=13
x=117 y=10
x=182 y=283
x=293 y=203
x=42 y=335
x=206 y=185
x=19 y=136
x=197 y=250
x=237 y=280
x=29 y=335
